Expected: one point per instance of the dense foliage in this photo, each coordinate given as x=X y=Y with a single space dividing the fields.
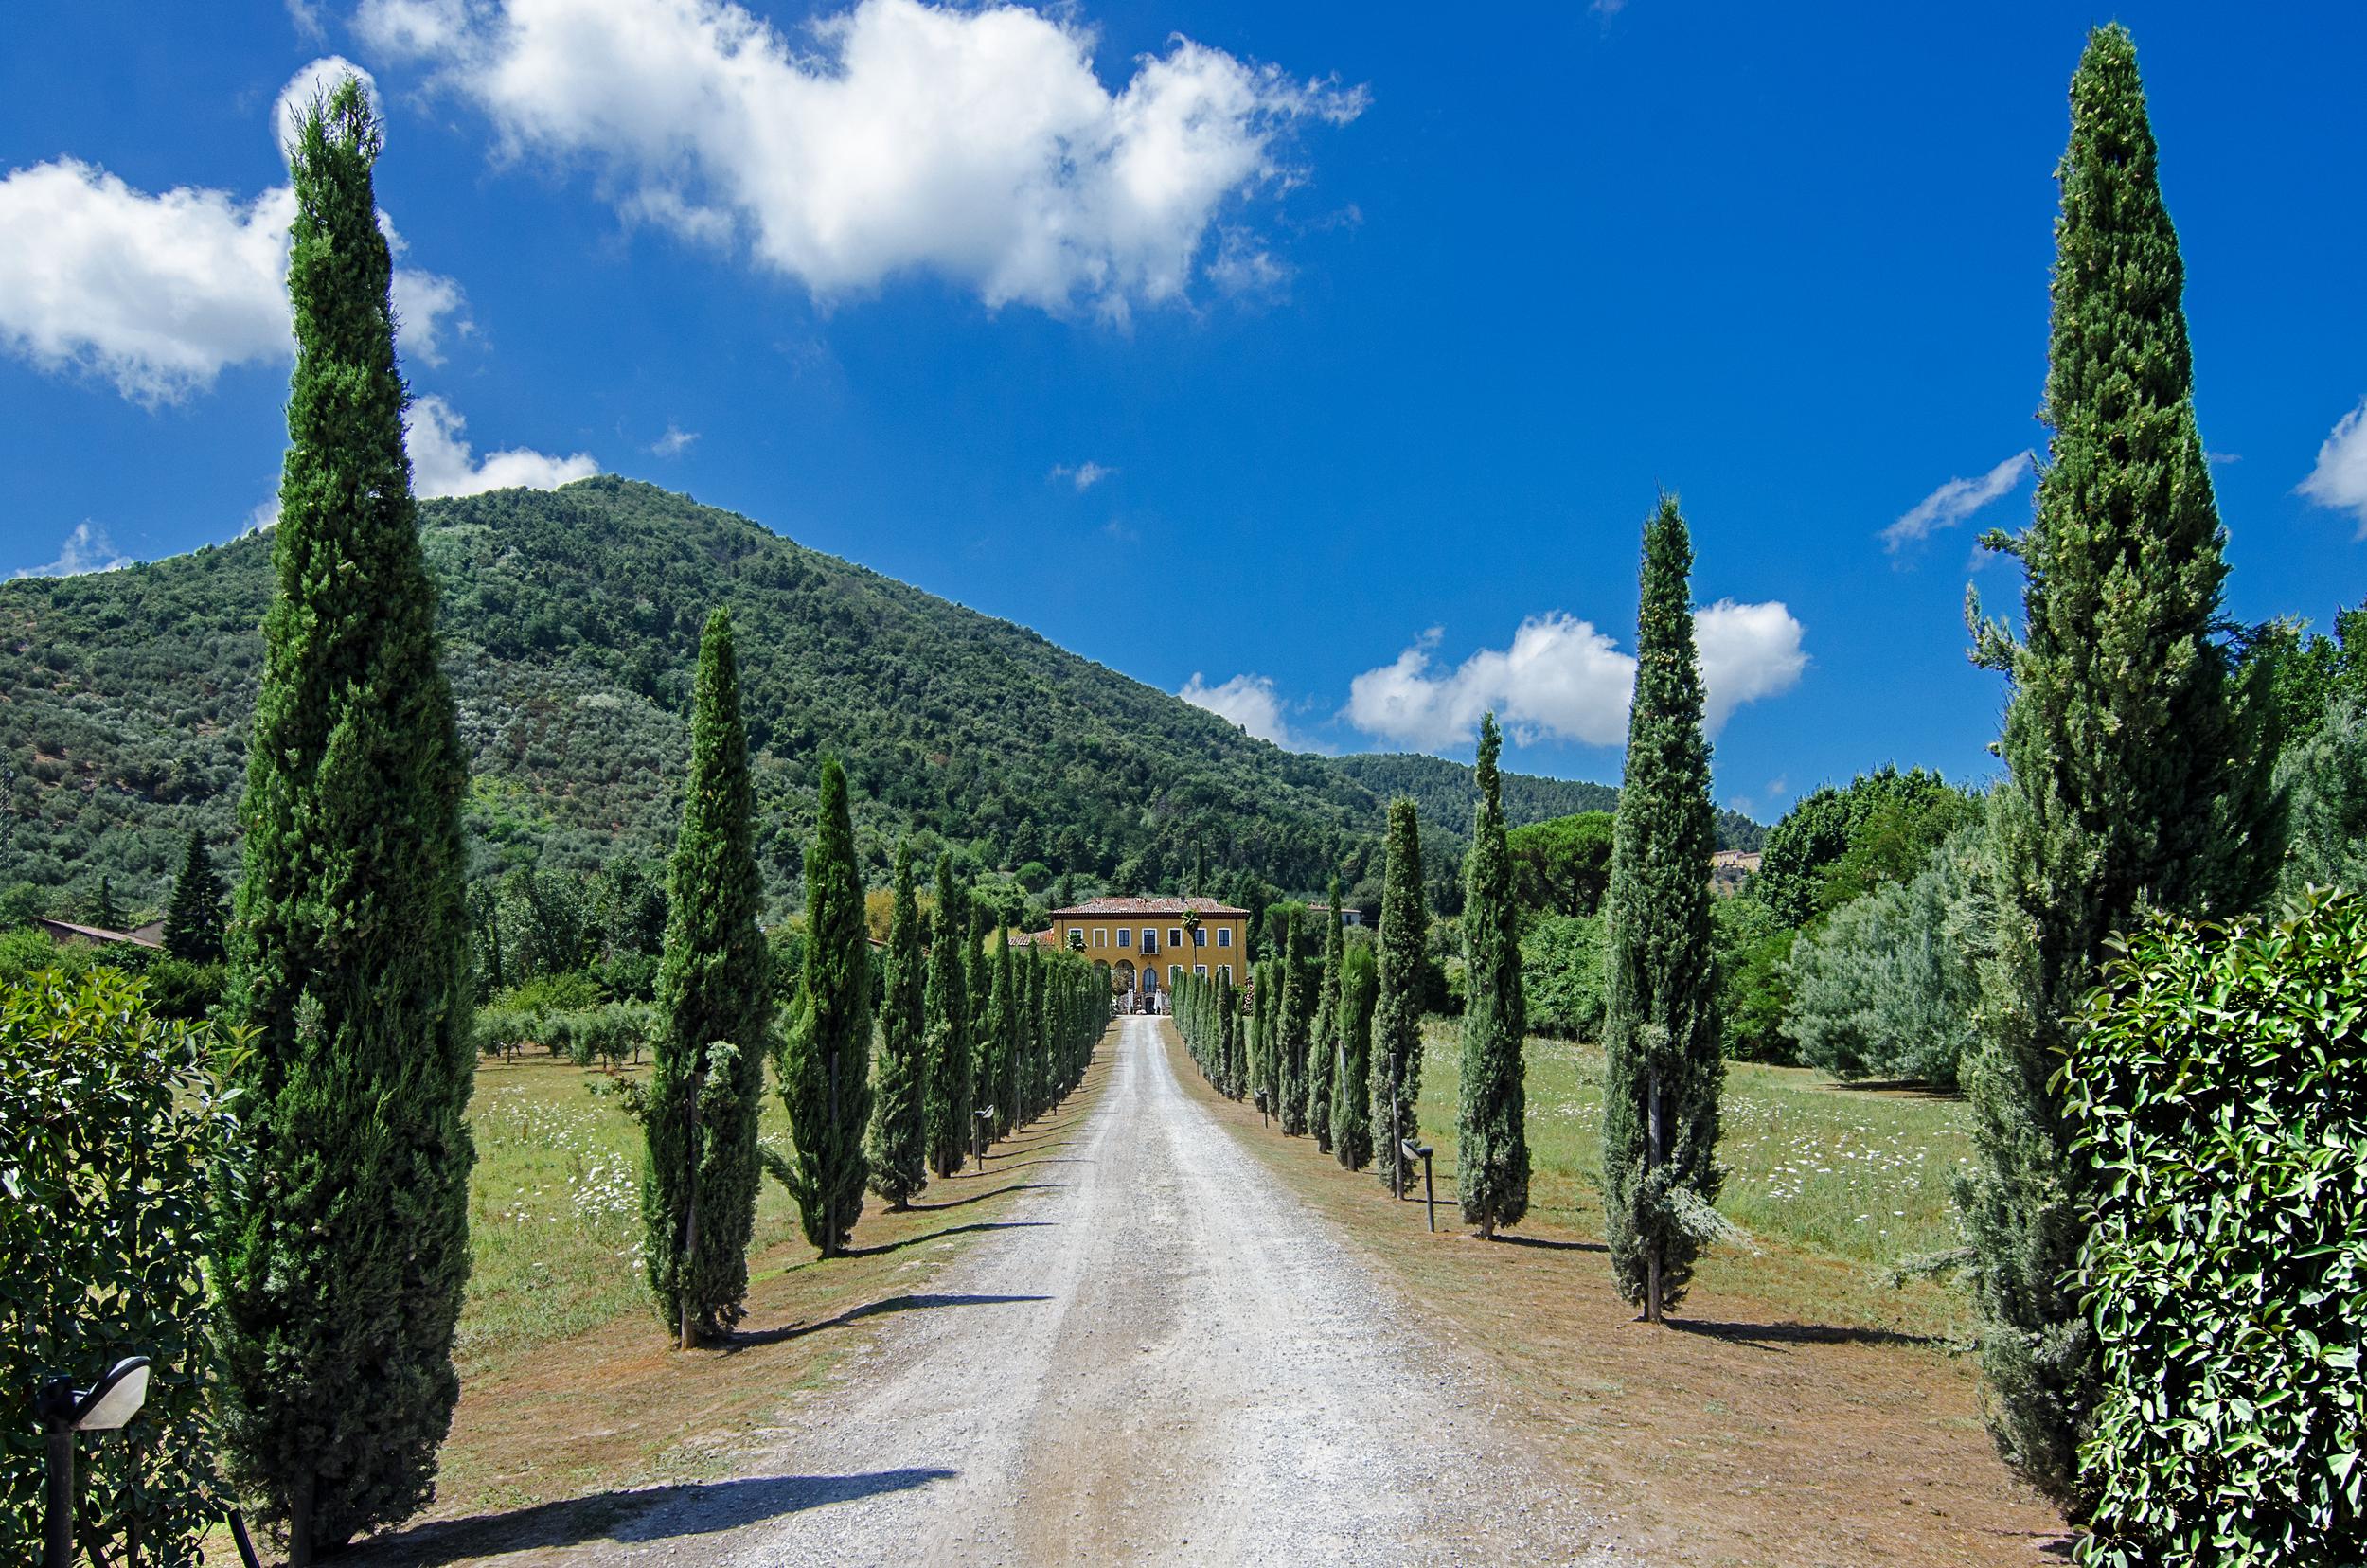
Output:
x=342 y=1269
x=1837 y=844
x=115 y=1130
x=1562 y=976
x=895 y=1146
x=1395 y=1072
x=2128 y=775
x=2220 y=1092
x=1323 y=1047
x=946 y=1082
x=1662 y=1059
x=193 y=920
x=1561 y=866
x=825 y=1062
x=1492 y=1147
x=1351 y=1109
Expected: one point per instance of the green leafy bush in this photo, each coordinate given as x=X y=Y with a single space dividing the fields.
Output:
x=1562 y=972
x=1754 y=985
x=113 y=1129
x=2220 y=1087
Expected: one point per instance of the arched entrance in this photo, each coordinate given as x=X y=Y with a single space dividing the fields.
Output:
x=1122 y=976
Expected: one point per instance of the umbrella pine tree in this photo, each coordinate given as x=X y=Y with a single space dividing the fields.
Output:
x=1491 y=1140
x=1662 y=1061
x=340 y=1268
x=826 y=1065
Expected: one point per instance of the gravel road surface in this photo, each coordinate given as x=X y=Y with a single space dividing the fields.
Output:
x=1161 y=1357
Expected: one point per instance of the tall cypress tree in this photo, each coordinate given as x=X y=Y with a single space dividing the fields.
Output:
x=825 y=1067
x=1322 y=1045
x=2127 y=781
x=699 y=1186
x=193 y=920
x=1291 y=995
x=1491 y=1139
x=1661 y=1066
x=341 y=1267
x=896 y=1147
x=1001 y=1027
x=1395 y=1084
x=945 y=1117
x=107 y=915
x=1228 y=1006
x=1351 y=1110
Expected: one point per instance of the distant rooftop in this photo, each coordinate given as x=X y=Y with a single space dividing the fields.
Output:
x=1149 y=906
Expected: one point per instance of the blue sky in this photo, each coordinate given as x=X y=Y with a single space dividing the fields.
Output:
x=1325 y=359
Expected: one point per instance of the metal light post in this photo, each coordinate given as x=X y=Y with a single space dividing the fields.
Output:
x=65 y=1409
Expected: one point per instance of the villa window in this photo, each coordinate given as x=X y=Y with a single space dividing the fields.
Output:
x=1175 y=935
x=1150 y=940
x=1224 y=936
x=1101 y=939
x=1125 y=936
x=1199 y=970
x=1200 y=935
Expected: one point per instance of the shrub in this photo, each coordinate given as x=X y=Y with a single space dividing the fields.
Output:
x=572 y=990
x=1562 y=971
x=1754 y=985
x=114 y=1128
x=2221 y=1092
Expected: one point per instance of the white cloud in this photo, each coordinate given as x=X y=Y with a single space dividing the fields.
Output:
x=1085 y=475
x=975 y=144
x=1251 y=702
x=2339 y=480
x=1561 y=679
x=675 y=442
x=306 y=15
x=316 y=81
x=442 y=462
x=159 y=293
x=86 y=549
x=1955 y=501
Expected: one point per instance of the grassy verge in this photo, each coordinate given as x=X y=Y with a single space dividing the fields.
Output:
x=1801 y=1410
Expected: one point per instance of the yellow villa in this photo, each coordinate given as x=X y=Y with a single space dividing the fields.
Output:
x=1149 y=944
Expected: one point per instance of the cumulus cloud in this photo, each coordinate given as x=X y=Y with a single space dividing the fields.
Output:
x=2339 y=480
x=976 y=143
x=1562 y=679
x=675 y=442
x=442 y=462
x=1955 y=501
x=1251 y=702
x=159 y=293
x=1084 y=476
x=316 y=81
x=86 y=549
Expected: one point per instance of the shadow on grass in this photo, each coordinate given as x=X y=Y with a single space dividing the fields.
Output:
x=657 y=1513
x=1550 y=1244
x=1899 y=1089
x=1771 y=1336
x=977 y=1197
x=754 y=1338
x=900 y=1245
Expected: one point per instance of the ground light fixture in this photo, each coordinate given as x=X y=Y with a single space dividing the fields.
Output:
x=65 y=1409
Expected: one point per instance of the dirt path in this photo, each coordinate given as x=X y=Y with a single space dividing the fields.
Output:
x=1162 y=1357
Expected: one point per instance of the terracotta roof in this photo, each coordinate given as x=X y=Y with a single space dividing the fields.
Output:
x=1150 y=906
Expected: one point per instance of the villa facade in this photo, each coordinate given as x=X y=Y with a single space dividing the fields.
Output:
x=1149 y=944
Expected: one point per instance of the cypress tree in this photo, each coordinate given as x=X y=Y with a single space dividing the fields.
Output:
x=1491 y=1140
x=978 y=958
x=946 y=1117
x=2127 y=781
x=108 y=915
x=1351 y=1110
x=1270 y=1051
x=825 y=1067
x=1291 y=998
x=1323 y=1046
x=698 y=1184
x=341 y=1267
x=1661 y=1066
x=193 y=920
x=1395 y=1086
x=896 y=1146
x=1228 y=1037
x=1001 y=1030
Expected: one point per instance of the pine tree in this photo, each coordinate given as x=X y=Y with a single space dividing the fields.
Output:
x=1661 y=1066
x=107 y=915
x=341 y=1270
x=1394 y=1088
x=946 y=1117
x=896 y=1146
x=2128 y=779
x=1351 y=1110
x=1291 y=993
x=1491 y=1140
x=193 y=921
x=1323 y=1046
x=1001 y=1030
x=825 y=1068
x=698 y=1184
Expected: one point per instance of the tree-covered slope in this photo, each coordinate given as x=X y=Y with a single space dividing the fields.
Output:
x=571 y=622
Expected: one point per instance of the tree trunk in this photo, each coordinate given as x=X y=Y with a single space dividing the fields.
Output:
x=300 y=1523
x=687 y=1270
x=1652 y=1164
x=830 y=1204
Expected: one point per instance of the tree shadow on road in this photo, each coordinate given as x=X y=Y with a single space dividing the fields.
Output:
x=981 y=1196
x=901 y=1243
x=654 y=1513
x=754 y=1338
x=1775 y=1336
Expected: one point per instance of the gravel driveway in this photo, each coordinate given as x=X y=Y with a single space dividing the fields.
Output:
x=1161 y=1356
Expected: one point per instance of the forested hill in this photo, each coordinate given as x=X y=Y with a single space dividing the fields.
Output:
x=571 y=623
